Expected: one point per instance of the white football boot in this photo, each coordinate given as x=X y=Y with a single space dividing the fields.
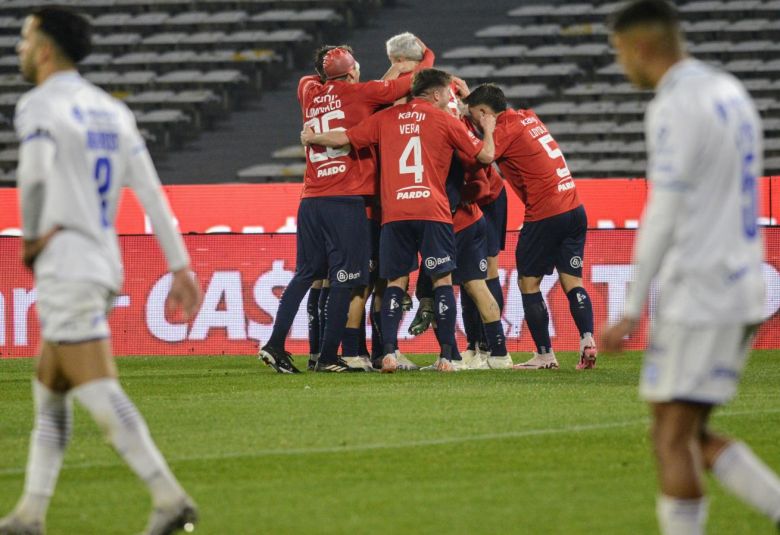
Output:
x=500 y=363
x=359 y=363
x=543 y=361
x=404 y=363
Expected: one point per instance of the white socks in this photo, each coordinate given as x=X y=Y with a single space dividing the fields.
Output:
x=49 y=438
x=740 y=471
x=126 y=429
x=681 y=517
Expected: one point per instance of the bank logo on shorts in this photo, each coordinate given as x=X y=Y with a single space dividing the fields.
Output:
x=575 y=262
x=483 y=264
x=343 y=276
x=432 y=262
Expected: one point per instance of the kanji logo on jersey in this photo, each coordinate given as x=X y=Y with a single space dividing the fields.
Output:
x=575 y=262
x=483 y=264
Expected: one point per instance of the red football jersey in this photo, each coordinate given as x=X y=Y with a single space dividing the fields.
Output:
x=416 y=143
x=529 y=158
x=465 y=216
x=474 y=189
x=338 y=105
x=493 y=176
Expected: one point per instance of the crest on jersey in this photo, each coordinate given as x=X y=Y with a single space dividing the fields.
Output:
x=575 y=262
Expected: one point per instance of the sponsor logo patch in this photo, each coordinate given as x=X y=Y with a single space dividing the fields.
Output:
x=575 y=262
x=431 y=262
x=483 y=264
x=343 y=276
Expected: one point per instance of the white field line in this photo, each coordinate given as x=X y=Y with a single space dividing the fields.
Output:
x=571 y=429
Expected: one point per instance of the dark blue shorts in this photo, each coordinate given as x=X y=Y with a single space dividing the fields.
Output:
x=375 y=231
x=471 y=253
x=402 y=240
x=555 y=242
x=495 y=217
x=333 y=240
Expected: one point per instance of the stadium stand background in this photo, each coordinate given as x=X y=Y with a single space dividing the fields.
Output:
x=213 y=81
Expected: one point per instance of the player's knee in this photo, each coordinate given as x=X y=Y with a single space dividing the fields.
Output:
x=529 y=285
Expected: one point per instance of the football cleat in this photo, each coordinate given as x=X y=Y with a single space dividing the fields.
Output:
x=500 y=363
x=313 y=357
x=13 y=525
x=543 y=361
x=167 y=520
x=423 y=318
x=406 y=302
x=446 y=365
x=277 y=359
x=404 y=363
x=475 y=359
x=389 y=363
x=337 y=366
x=359 y=363
x=587 y=353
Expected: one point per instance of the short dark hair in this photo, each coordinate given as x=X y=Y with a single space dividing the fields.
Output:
x=70 y=31
x=319 y=58
x=488 y=94
x=645 y=12
x=428 y=79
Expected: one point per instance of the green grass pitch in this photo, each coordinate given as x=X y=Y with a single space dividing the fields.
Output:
x=494 y=452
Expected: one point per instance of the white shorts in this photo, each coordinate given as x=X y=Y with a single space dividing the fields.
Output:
x=73 y=311
x=700 y=364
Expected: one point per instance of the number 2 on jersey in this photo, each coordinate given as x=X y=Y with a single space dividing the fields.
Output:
x=413 y=149
x=102 y=176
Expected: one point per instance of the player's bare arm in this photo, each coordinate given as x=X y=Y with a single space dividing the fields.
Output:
x=487 y=123
x=334 y=138
x=397 y=69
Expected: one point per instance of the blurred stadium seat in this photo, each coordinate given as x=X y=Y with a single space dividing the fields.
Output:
x=184 y=65
x=181 y=65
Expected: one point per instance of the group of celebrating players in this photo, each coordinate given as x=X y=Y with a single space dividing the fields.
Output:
x=414 y=164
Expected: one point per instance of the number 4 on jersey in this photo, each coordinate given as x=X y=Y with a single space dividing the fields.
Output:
x=413 y=149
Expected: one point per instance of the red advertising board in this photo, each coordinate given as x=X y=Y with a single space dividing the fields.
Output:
x=256 y=208
x=243 y=276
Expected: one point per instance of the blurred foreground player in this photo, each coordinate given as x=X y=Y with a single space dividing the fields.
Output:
x=700 y=236
x=416 y=142
x=78 y=148
x=555 y=224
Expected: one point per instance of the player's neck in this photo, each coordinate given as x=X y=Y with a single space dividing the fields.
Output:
x=48 y=70
x=662 y=66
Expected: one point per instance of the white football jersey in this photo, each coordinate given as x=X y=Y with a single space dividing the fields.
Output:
x=700 y=232
x=78 y=147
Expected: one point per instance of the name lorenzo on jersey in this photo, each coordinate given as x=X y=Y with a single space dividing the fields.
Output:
x=540 y=133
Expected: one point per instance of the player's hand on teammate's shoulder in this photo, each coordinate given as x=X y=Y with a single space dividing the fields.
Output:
x=185 y=293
